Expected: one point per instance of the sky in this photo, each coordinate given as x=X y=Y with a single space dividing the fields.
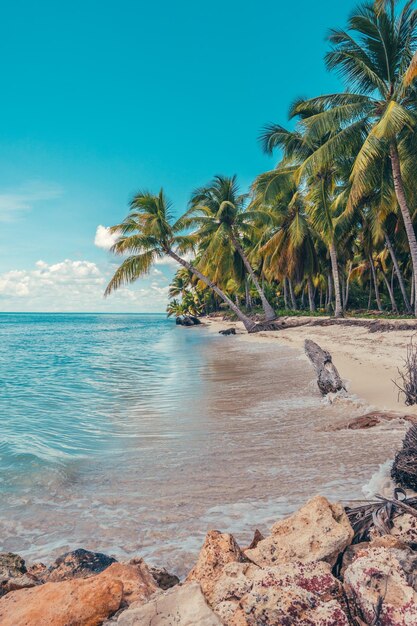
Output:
x=103 y=98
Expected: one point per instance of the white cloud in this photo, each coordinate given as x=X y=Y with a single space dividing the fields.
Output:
x=77 y=286
x=104 y=238
x=14 y=203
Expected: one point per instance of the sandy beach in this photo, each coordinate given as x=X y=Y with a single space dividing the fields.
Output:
x=368 y=362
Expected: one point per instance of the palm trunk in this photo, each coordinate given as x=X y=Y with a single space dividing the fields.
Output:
x=329 y=293
x=391 y=293
x=398 y=273
x=268 y=310
x=292 y=296
x=247 y=294
x=405 y=212
x=248 y=323
x=370 y=293
x=377 y=296
x=311 y=295
x=346 y=295
x=285 y=294
x=338 y=312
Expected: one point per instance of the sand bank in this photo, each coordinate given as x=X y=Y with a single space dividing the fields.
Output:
x=368 y=362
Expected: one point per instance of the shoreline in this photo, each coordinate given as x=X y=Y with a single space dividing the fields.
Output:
x=367 y=362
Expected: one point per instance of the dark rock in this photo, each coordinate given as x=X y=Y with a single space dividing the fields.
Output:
x=164 y=579
x=187 y=320
x=13 y=573
x=228 y=331
x=77 y=564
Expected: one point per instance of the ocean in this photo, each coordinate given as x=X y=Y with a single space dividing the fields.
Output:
x=132 y=436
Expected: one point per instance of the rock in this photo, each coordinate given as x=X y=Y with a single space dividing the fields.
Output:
x=13 y=573
x=187 y=320
x=319 y=531
x=183 y=605
x=79 y=601
x=257 y=537
x=228 y=331
x=77 y=564
x=85 y=602
x=138 y=582
x=404 y=528
x=382 y=583
x=218 y=550
x=38 y=570
x=291 y=594
x=164 y=579
x=369 y=420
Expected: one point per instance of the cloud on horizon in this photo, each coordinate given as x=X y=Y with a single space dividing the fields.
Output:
x=78 y=286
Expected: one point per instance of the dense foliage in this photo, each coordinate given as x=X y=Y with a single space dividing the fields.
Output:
x=332 y=227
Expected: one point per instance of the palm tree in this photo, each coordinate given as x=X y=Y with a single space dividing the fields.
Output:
x=218 y=210
x=287 y=243
x=321 y=183
x=379 y=112
x=149 y=233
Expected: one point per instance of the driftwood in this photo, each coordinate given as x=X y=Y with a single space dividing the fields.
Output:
x=328 y=378
x=373 y=326
x=228 y=331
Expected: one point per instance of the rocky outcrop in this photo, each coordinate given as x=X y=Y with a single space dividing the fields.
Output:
x=296 y=594
x=381 y=583
x=218 y=550
x=187 y=320
x=13 y=573
x=319 y=531
x=80 y=601
x=183 y=605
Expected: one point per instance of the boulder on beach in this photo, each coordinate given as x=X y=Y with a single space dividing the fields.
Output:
x=81 y=601
x=305 y=593
x=218 y=550
x=77 y=564
x=183 y=605
x=319 y=531
x=382 y=586
x=187 y=320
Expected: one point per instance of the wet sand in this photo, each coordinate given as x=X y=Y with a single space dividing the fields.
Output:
x=368 y=362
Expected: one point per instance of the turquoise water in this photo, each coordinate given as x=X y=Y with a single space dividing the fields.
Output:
x=129 y=435
x=69 y=384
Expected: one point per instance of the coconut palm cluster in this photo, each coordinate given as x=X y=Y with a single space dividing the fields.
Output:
x=332 y=227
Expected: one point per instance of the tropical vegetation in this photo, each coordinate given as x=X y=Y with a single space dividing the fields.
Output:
x=331 y=229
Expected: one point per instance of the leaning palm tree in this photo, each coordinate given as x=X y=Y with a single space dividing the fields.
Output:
x=149 y=233
x=375 y=58
x=218 y=210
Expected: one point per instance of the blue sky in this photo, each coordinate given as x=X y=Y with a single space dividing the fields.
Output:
x=103 y=98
